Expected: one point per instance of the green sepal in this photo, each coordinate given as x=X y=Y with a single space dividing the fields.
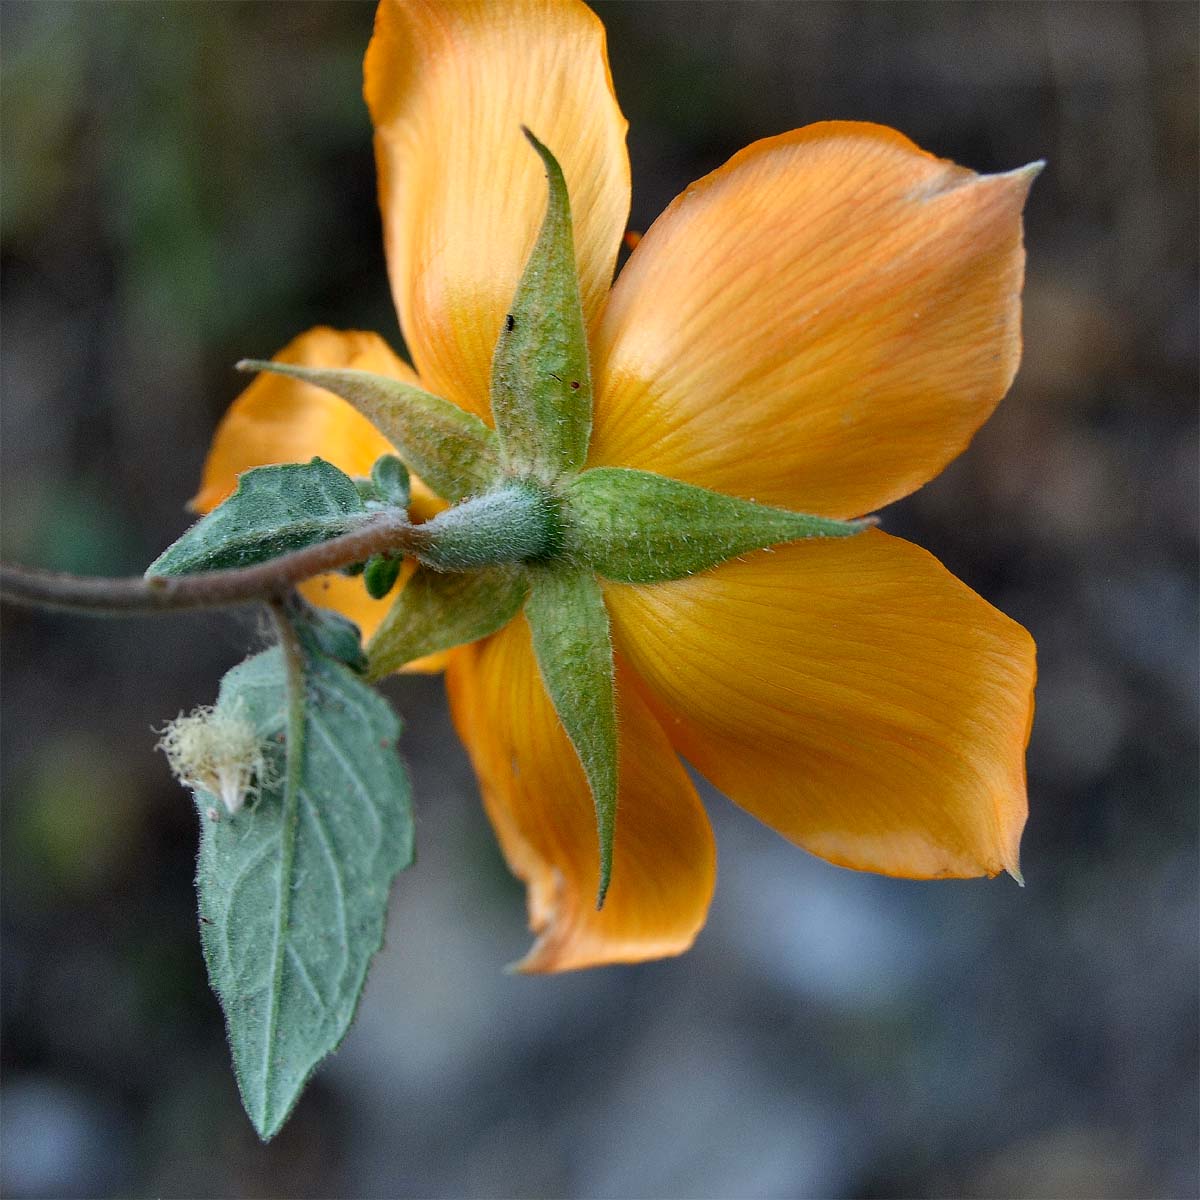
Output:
x=323 y=631
x=573 y=646
x=436 y=611
x=274 y=511
x=293 y=890
x=452 y=450
x=636 y=527
x=380 y=575
x=541 y=384
x=391 y=480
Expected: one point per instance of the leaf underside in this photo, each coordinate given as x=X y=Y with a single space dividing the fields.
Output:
x=293 y=890
x=274 y=511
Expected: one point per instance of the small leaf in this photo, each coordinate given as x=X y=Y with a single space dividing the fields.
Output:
x=452 y=450
x=541 y=384
x=636 y=527
x=380 y=575
x=367 y=492
x=436 y=611
x=323 y=631
x=392 y=484
x=274 y=511
x=293 y=890
x=573 y=645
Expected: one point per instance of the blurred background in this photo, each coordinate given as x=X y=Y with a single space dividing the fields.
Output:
x=184 y=184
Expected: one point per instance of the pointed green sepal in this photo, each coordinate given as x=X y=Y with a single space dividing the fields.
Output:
x=541 y=384
x=452 y=450
x=637 y=527
x=436 y=611
x=274 y=511
x=573 y=645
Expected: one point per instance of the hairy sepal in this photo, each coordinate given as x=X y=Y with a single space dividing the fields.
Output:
x=637 y=527
x=452 y=450
x=573 y=645
x=437 y=611
x=541 y=382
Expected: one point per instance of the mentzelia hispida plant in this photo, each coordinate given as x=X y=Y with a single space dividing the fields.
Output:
x=635 y=528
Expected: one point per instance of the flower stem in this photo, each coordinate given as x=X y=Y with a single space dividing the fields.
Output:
x=515 y=523
x=206 y=589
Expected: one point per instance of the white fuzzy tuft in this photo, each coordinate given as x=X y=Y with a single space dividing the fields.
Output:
x=217 y=751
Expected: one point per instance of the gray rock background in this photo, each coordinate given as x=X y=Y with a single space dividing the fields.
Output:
x=184 y=184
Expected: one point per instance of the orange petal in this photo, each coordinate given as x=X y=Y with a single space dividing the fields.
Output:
x=348 y=596
x=536 y=795
x=851 y=694
x=281 y=420
x=449 y=86
x=820 y=324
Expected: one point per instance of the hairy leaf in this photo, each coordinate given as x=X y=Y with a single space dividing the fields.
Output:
x=541 y=384
x=636 y=527
x=323 y=631
x=293 y=890
x=436 y=611
x=573 y=645
x=452 y=450
x=380 y=575
x=392 y=484
x=274 y=511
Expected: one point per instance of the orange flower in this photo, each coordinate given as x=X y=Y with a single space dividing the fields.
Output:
x=821 y=324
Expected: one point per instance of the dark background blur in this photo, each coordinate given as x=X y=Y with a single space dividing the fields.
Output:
x=185 y=184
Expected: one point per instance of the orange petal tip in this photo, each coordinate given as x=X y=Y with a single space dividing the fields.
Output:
x=1021 y=177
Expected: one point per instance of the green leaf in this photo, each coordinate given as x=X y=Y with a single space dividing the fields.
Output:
x=274 y=511
x=573 y=645
x=636 y=527
x=452 y=450
x=323 y=631
x=293 y=890
x=436 y=611
x=390 y=477
x=541 y=384
x=380 y=575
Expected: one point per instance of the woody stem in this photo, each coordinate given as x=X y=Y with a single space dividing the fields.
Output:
x=385 y=532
